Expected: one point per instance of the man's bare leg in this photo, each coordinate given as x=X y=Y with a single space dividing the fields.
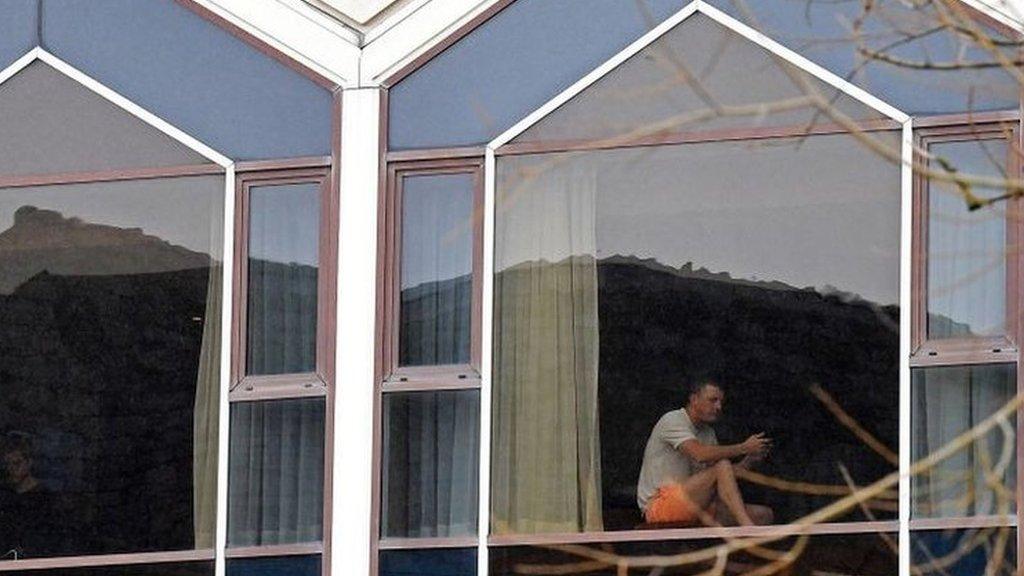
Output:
x=721 y=481
x=729 y=493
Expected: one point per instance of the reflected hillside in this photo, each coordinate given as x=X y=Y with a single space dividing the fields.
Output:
x=47 y=240
x=99 y=354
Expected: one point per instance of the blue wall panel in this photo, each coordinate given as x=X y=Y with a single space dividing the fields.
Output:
x=193 y=74
x=17 y=29
x=511 y=65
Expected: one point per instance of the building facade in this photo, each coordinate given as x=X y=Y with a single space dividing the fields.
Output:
x=404 y=287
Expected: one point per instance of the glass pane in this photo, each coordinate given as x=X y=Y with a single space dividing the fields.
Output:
x=964 y=552
x=741 y=85
x=437 y=269
x=187 y=569
x=283 y=566
x=625 y=276
x=199 y=77
x=474 y=90
x=284 y=259
x=53 y=124
x=276 y=480
x=917 y=56
x=441 y=562
x=967 y=249
x=109 y=365
x=431 y=464
x=860 y=554
x=948 y=402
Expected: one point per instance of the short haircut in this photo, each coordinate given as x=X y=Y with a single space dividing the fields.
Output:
x=697 y=385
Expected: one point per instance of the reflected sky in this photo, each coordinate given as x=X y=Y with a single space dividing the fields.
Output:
x=823 y=212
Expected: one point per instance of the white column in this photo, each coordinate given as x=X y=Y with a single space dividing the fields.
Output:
x=906 y=239
x=356 y=345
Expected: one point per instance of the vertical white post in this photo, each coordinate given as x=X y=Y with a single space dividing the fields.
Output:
x=906 y=239
x=352 y=503
x=486 y=359
x=224 y=412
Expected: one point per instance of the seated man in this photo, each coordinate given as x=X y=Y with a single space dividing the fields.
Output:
x=687 y=478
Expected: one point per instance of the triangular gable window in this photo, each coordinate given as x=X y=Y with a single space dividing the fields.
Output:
x=700 y=76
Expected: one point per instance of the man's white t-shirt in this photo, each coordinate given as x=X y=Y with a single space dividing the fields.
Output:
x=663 y=462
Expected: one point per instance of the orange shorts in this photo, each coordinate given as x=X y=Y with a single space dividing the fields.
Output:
x=672 y=505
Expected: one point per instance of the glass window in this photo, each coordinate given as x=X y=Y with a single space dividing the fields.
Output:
x=965 y=552
x=740 y=85
x=431 y=464
x=947 y=402
x=111 y=300
x=440 y=562
x=920 y=57
x=199 y=77
x=53 y=124
x=474 y=91
x=276 y=477
x=437 y=294
x=624 y=276
x=967 y=250
x=283 y=269
x=282 y=566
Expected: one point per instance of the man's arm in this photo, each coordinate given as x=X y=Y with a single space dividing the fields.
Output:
x=708 y=453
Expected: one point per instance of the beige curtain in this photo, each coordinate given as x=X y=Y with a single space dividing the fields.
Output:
x=546 y=470
x=205 y=418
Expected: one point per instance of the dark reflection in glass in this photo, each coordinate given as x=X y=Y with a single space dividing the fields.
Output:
x=623 y=276
x=947 y=402
x=967 y=249
x=964 y=552
x=284 y=235
x=440 y=562
x=283 y=566
x=437 y=269
x=185 y=569
x=431 y=464
x=276 y=478
x=646 y=94
x=860 y=554
x=110 y=298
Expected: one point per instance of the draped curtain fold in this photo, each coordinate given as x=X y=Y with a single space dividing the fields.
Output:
x=205 y=416
x=276 y=480
x=433 y=461
x=546 y=469
x=950 y=401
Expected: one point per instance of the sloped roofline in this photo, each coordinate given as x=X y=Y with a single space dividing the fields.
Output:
x=700 y=7
x=41 y=55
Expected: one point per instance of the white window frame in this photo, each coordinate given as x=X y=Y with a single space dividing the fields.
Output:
x=493 y=148
x=228 y=166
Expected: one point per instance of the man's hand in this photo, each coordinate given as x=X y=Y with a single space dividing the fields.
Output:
x=758 y=444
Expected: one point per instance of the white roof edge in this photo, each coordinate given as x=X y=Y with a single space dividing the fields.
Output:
x=116 y=99
x=411 y=32
x=698 y=6
x=802 y=62
x=299 y=31
x=596 y=74
x=1007 y=12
